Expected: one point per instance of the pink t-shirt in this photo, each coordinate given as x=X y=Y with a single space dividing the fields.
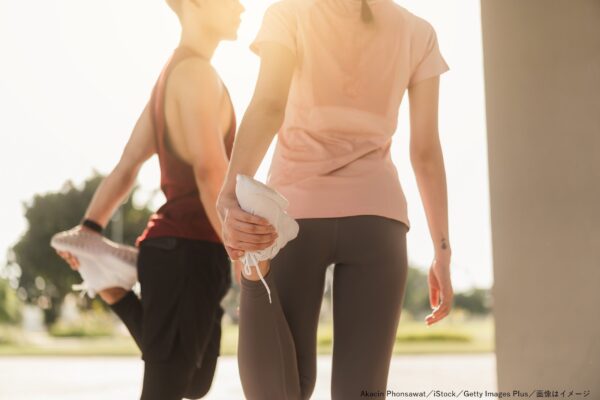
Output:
x=332 y=157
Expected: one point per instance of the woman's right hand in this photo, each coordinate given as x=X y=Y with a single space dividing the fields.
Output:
x=242 y=231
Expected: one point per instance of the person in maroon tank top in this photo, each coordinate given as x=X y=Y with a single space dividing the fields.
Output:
x=183 y=267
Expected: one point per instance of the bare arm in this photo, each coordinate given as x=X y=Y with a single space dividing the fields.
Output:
x=427 y=160
x=116 y=186
x=197 y=90
x=261 y=122
x=428 y=165
x=265 y=113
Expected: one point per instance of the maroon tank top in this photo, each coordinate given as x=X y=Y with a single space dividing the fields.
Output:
x=183 y=214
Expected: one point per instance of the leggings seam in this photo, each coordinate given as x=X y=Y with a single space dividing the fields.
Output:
x=284 y=382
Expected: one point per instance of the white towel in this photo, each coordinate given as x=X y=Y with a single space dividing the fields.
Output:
x=259 y=199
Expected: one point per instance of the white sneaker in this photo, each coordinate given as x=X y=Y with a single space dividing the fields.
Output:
x=259 y=199
x=102 y=263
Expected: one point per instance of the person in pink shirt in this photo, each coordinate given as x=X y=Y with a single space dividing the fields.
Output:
x=332 y=77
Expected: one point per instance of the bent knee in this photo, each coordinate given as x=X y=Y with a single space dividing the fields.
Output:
x=201 y=380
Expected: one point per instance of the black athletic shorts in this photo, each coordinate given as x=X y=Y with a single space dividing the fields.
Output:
x=182 y=284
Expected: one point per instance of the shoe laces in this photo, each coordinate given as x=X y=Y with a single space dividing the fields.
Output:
x=83 y=287
x=248 y=271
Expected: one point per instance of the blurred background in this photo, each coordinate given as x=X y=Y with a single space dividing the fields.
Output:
x=74 y=77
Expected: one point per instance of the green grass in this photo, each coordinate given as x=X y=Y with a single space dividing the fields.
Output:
x=88 y=325
x=83 y=348
x=9 y=335
x=451 y=335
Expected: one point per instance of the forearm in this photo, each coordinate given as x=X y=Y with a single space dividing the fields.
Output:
x=109 y=195
x=209 y=184
x=431 y=180
x=256 y=132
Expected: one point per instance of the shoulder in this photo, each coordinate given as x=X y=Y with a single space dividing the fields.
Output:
x=400 y=11
x=420 y=27
x=194 y=72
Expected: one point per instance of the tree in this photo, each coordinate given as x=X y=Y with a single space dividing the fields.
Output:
x=45 y=277
x=476 y=301
x=416 y=297
x=416 y=300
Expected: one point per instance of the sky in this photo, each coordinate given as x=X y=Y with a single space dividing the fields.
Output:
x=75 y=75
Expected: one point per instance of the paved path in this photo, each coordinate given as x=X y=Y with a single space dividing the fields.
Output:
x=119 y=378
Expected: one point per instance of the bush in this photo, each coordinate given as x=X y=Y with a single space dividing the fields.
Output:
x=91 y=324
x=10 y=305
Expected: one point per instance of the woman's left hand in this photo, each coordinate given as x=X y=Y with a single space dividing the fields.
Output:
x=440 y=289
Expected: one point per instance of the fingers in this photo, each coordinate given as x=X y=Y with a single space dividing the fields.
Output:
x=434 y=290
x=239 y=215
x=241 y=237
x=438 y=313
x=248 y=246
x=434 y=297
x=440 y=293
x=243 y=231
x=251 y=228
x=244 y=236
x=442 y=310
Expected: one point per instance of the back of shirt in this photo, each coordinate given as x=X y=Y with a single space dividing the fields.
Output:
x=332 y=156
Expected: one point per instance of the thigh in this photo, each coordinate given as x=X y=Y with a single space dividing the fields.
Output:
x=161 y=276
x=207 y=280
x=299 y=275
x=368 y=290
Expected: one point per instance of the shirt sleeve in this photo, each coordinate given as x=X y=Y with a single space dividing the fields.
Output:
x=429 y=61
x=279 y=26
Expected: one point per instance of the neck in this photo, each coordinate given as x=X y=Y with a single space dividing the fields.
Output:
x=199 y=42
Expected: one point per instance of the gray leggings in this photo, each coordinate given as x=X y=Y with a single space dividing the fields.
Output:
x=277 y=348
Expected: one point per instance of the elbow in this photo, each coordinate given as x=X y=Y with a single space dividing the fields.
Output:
x=419 y=157
x=425 y=156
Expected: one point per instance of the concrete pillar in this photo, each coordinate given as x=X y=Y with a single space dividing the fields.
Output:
x=542 y=84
